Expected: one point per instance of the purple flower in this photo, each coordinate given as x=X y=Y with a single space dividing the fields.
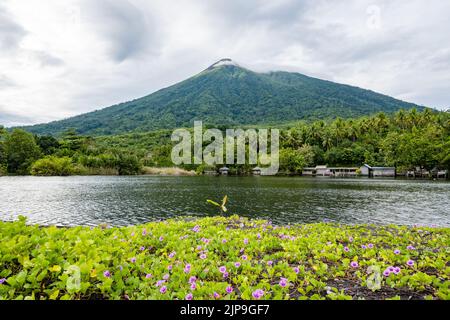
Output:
x=107 y=274
x=237 y=264
x=410 y=247
x=148 y=275
x=244 y=257
x=216 y=295
x=172 y=254
x=203 y=256
x=193 y=286
x=396 y=251
x=257 y=294
x=121 y=268
x=370 y=245
x=196 y=229
x=346 y=249
x=192 y=279
x=270 y=263
x=163 y=289
x=354 y=264
x=161 y=238
x=258 y=236
x=350 y=239
x=397 y=270
x=144 y=233
x=296 y=270
x=410 y=263
x=283 y=282
x=364 y=246
x=245 y=241
x=189 y=296
x=199 y=248
x=229 y=289
x=391 y=269
x=386 y=272
x=160 y=282
x=133 y=260
x=166 y=276
x=187 y=268
x=224 y=240
x=142 y=248
x=132 y=234
x=169 y=267
x=225 y=274
x=222 y=269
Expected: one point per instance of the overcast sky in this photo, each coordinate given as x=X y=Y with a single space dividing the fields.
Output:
x=62 y=58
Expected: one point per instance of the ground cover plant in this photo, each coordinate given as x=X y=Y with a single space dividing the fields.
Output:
x=224 y=258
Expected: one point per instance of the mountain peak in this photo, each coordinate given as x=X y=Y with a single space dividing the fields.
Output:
x=223 y=62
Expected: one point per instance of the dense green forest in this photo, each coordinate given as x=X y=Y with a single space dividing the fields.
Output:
x=405 y=140
x=228 y=96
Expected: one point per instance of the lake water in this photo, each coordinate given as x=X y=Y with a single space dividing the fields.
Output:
x=131 y=200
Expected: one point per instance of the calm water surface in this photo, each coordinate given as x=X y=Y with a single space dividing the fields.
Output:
x=131 y=200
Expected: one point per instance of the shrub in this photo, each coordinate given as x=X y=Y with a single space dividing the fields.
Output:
x=53 y=166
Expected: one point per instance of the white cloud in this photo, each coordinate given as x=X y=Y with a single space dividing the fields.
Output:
x=59 y=59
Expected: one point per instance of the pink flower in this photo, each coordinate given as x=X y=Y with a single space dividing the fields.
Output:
x=189 y=296
x=193 y=286
x=163 y=289
x=354 y=264
x=229 y=289
x=216 y=295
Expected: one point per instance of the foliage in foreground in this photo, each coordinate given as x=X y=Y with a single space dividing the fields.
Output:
x=223 y=258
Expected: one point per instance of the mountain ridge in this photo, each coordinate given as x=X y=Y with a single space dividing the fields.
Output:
x=227 y=94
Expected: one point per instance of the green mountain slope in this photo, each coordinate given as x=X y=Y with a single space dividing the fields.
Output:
x=228 y=95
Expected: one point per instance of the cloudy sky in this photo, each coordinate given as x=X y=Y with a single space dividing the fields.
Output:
x=61 y=58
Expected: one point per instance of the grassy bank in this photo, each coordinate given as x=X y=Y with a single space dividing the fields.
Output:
x=223 y=258
x=172 y=171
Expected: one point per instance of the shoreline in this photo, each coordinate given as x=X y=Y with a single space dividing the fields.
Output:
x=310 y=261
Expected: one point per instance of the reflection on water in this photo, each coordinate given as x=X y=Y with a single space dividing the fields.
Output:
x=132 y=200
